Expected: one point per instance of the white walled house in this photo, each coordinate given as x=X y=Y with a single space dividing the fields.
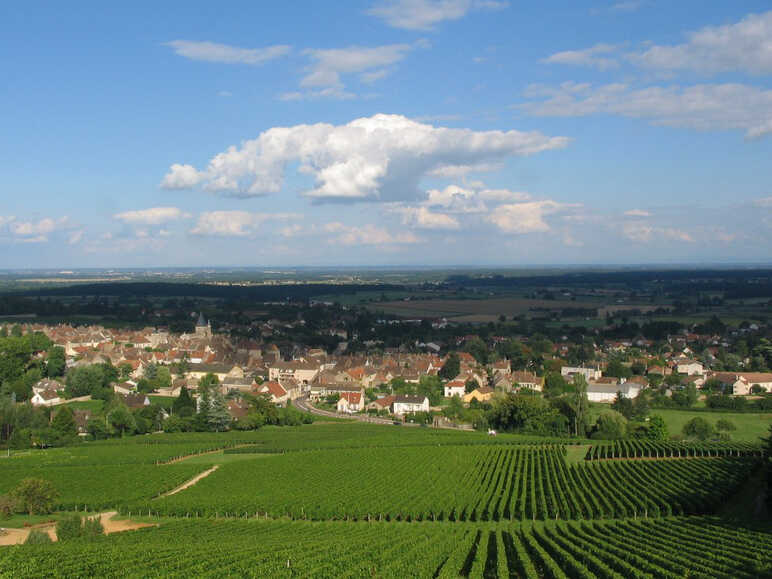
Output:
x=455 y=388
x=407 y=404
x=598 y=392
x=351 y=402
x=588 y=373
x=45 y=398
x=689 y=367
x=747 y=380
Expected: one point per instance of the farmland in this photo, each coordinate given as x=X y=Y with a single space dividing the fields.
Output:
x=349 y=499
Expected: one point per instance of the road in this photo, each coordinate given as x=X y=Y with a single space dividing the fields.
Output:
x=304 y=404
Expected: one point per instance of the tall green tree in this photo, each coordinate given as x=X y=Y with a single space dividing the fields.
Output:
x=55 y=362
x=451 y=368
x=580 y=405
x=64 y=422
x=184 y=405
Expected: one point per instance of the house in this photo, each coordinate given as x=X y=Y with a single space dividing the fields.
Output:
x=47 y=384
x=381 y=403
x=481 y=394
x=351 y=402
x=455 y=388
x=689 y=367
x=303 y=372
x=747 y=380
x=606 y=392
x=135 y=401
x=124 y=388
x=238 y=409
x=404 y=404
x=527 y=380
x=45 y=398
x=273 y=389
x=589 y=374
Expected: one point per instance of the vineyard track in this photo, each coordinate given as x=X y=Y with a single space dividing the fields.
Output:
x=190 y=483
x=195 y=454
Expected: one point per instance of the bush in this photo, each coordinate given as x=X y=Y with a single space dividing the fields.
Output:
x=611 y=425
x=36 y=537
x=69 y=527
x=698 y=428
x=724 y=424
x=35 y=496
x=75 y=527
x=8 y=506
x=92 y=527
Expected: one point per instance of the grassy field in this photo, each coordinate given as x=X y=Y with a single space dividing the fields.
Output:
x=750 y=426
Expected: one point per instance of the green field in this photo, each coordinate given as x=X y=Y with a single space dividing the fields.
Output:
x=750 y=426
x=352 y=499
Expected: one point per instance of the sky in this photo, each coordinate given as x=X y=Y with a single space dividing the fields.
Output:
x=385 y=132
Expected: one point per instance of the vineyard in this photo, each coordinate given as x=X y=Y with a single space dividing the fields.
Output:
x=105 y=486
x=670 y=449
x=358 y=500
x=670 y=547
x=463 y=483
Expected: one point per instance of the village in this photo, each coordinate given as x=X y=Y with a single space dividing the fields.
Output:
x=391 y=382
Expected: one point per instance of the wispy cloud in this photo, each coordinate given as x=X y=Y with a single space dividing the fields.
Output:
x=224 y=53
x=426 y=14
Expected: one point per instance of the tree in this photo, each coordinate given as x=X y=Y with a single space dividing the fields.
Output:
x=657 y=428
x=56 y=362
x=451 y=368
x=69 y=527
x=218 y=416
x=97 y=429
x=477 y=348
x=125 y=370
x=617 y=369
x=611 y=425
x=554 y=384
x=525 y=413
x=121 y=420
x=470 y=385
x=64 y=422
x=35 y=496
x=580 y=405
x=698 y=428
x=184 y=405
x=623 y=405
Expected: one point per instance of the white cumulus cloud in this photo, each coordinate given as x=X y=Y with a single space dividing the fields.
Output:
x=526 y=217
x=214 y=52
x=37 y=231
x=383 y=157
x=743 y=46
x=423 y=218
x=235 y=223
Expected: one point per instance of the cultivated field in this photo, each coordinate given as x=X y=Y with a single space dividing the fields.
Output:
x=350 y=499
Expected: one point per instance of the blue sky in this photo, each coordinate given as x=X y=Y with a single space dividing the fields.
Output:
x=385 y=132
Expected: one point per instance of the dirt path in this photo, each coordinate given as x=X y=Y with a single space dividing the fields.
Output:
x=190 y=483
x=215 y=451
x=18 y=536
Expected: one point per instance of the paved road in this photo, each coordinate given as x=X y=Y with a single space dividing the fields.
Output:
x=304 y=404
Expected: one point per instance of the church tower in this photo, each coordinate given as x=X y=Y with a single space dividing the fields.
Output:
x=203 y=328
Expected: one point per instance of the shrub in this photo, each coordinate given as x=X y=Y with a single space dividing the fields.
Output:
x=699 y=428
x=69 y=527
x=8 y=506
x=724 y=424
x=92 y=527
x=36 y=537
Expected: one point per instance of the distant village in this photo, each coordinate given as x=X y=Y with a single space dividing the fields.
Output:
x=364 y=382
